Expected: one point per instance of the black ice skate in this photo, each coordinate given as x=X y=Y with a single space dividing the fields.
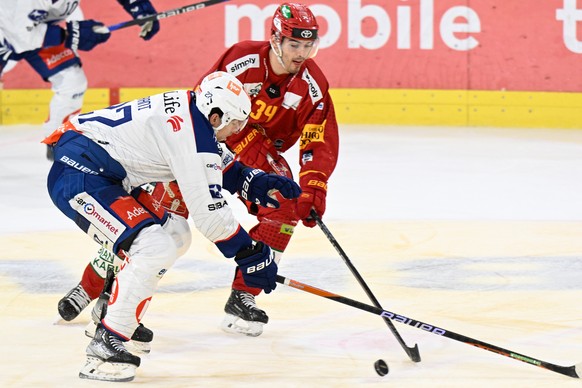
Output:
x=142 y=337
x=71 y=305
x=107 y=359
x=241 y=306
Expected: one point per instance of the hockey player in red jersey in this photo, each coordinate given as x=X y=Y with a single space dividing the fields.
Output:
x=291 y=103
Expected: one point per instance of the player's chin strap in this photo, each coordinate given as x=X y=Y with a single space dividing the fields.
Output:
x=276 y=47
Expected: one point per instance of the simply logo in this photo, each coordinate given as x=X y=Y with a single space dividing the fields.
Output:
x=175 y=121
x=240 y=65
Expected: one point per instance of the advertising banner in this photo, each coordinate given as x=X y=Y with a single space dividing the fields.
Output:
x=513 y=45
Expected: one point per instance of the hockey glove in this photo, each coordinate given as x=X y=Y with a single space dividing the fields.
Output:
x=259 y=187
x=258 y=267
x=139 y=9
x=255 y=149
x=313 y=196
x=169 y=196
x=84 y=35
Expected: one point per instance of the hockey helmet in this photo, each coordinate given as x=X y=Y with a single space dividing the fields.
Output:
x=224 y=92
x=293 y=20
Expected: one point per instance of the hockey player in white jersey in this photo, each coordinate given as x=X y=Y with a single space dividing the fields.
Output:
x=102 y=156
x=30 y=31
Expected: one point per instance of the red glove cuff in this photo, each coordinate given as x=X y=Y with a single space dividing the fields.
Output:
x=253 y=148
x=313 y=197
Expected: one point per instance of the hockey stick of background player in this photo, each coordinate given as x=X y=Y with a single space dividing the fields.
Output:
x=571 y=371
x=412 y=352
x=166 y=14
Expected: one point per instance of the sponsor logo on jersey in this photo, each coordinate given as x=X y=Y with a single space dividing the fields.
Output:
x=213 y=166
x=312 y=133
x=97 y=215
x=242 y=64
x=227 y=158
x=314 y=89
x=291 y=101
x=273 y=91
x=320 y=106
x=171 y=102
x=215 y=191
x=38 y=15
x=130 y=211
x=253 y=89
x=217 y=205
x=175 y=121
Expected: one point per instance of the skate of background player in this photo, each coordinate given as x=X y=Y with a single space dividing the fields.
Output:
x=475 y=230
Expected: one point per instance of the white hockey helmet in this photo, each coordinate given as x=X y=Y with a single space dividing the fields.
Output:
x=224 y=92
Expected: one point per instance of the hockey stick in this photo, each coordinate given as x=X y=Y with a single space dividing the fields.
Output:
x=166 y=14
x=572 y=371
x=412 y=352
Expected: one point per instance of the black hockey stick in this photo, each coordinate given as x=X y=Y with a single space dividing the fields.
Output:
x=166 y=14
x=572 y=371
x=412 y=352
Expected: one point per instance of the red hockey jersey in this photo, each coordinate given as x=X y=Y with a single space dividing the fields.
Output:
x=286 y=109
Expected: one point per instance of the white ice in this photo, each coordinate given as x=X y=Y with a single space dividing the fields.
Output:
x=474 y=230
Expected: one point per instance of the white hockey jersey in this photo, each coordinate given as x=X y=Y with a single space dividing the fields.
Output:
x=159 y=139
x=23 y=23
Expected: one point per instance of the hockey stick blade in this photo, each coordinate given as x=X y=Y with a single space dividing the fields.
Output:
x=412 y=352
x=166 y=14
x=574 y=371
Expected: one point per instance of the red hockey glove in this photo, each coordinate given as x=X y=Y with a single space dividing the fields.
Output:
x=169 y=197
x=313 y=197
x=255 y=149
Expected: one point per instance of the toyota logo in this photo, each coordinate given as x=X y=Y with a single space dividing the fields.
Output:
x=306 y=34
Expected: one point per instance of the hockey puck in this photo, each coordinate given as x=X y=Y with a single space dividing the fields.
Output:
x=381 y=367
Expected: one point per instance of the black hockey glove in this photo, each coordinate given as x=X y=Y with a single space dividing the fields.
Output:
x=259 y=187
x=139 y=9
x=84 y=35
x=258 y=267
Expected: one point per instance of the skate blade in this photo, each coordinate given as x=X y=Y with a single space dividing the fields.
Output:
x=231 y=325
x=135 y=347
x=97 y=369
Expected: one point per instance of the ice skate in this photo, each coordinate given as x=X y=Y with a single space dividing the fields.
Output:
x=108 y=360
x=239 y=308
x=142 y=337
x=141 y=340
x=71 y=305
